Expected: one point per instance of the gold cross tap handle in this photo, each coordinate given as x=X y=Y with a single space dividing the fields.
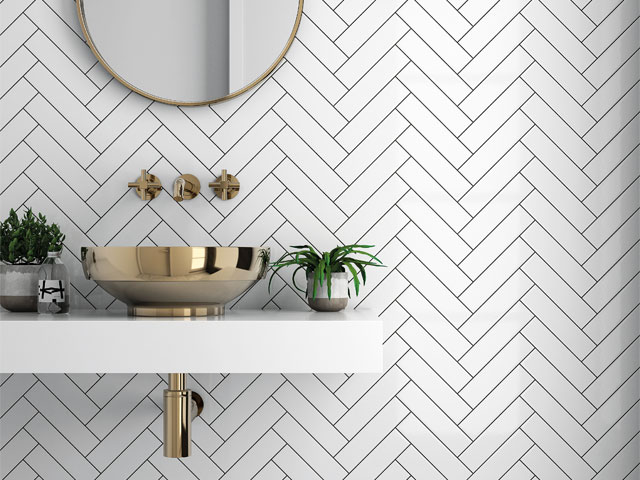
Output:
x=225 y=186
x=147 y=186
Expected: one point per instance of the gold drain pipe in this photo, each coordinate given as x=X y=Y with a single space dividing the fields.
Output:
x=181 y=405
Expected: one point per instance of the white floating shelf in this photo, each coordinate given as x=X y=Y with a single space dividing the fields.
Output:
x=239 y=342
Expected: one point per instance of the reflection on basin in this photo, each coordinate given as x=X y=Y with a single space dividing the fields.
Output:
x=175 y=281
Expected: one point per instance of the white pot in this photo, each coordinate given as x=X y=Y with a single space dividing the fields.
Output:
x=19 y=287
x=339 y=293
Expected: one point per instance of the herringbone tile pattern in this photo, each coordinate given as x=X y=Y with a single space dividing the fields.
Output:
x=489 y=148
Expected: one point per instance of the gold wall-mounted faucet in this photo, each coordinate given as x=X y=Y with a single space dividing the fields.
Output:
x=225 y=186
x=147 y=186
x=185 y=187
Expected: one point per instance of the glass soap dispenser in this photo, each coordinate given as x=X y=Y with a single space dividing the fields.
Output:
x=53 y=285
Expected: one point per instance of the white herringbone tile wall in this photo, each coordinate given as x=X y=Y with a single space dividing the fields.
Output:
x=488 y=148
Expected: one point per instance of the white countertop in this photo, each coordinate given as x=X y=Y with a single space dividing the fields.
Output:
x=250 y=341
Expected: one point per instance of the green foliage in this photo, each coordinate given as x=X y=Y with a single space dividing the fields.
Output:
x=26 y=241
x=340 y=259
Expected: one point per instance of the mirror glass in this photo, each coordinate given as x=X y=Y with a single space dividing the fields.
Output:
x=189 y=52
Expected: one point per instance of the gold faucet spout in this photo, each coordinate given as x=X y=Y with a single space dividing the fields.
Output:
x=178 y=189
x=185 y=187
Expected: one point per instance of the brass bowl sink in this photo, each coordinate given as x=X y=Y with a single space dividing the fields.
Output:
x=175 y=281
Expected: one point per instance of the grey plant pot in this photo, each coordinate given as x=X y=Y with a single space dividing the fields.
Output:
x=19 y=287
x=339 y=293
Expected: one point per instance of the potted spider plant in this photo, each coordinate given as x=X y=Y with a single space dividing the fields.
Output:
x=328 y=273
x=24 y=246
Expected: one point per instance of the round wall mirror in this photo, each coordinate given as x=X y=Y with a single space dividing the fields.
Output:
x=189 y=52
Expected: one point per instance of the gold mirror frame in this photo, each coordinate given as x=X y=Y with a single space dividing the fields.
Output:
x=83 y=25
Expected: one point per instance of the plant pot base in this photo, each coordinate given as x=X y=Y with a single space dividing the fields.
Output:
x=19 y=287
x=19 y=303
x=328 y=304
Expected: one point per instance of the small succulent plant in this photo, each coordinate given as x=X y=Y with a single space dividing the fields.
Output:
x=27 y=241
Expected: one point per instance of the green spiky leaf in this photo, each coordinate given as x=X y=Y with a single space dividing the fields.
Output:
x=356 y=281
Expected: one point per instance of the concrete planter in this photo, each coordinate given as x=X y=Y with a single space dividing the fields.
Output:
x=19 y=287
x=339 y=293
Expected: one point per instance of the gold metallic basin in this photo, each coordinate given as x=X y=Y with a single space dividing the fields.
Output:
x=175 y=281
